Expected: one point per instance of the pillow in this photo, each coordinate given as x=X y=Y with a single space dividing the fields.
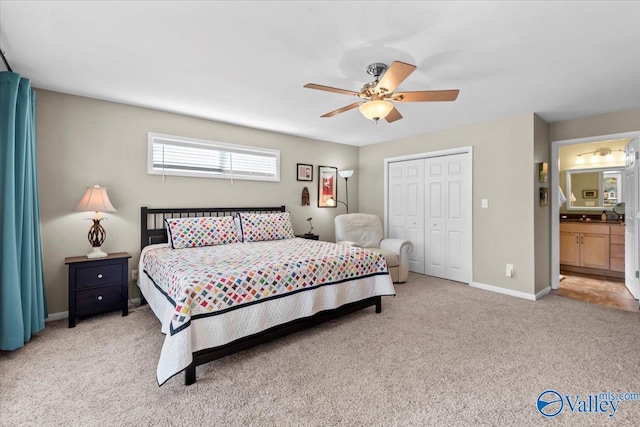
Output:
x=260 y=227
x=201 y=231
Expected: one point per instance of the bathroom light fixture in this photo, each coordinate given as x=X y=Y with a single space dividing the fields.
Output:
x=95 y=199
x=598 y=154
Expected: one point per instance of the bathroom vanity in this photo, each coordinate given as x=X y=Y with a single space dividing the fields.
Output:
x=595 y=247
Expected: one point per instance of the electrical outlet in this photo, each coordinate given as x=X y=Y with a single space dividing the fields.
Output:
x=134 y=275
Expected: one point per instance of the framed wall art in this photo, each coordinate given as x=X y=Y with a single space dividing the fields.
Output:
x=543 y=172
x=327 y=186
x=544 y=197
x=304 y=172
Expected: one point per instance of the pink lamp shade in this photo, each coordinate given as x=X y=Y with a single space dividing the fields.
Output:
x=95 y=199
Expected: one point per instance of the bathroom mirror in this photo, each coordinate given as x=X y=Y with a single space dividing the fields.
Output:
x=595 y=189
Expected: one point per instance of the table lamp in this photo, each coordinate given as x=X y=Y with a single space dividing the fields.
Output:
x=95 y=199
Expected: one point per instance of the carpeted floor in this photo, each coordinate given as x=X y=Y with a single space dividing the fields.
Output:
x=440 y=353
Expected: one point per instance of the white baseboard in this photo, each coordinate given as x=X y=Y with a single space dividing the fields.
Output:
x=510 y=292
x=133 y=302
x=57 y=316
x=543 y=292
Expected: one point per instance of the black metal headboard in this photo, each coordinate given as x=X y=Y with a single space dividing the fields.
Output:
x=152 y=229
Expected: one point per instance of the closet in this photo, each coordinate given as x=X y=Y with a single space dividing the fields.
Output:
x=429 y=203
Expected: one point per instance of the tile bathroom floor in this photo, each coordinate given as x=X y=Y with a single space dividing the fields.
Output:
x=597 y=290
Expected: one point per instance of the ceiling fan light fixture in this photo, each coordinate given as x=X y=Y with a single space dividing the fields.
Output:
x=376 y=109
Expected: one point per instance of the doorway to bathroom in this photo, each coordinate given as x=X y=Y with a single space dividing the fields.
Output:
x=594 y=255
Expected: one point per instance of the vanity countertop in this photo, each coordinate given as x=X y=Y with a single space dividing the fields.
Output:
x=591 y=221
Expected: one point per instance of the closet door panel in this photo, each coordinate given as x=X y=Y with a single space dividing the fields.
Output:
x=406 y=210
x=458 y=212
x=435 y=240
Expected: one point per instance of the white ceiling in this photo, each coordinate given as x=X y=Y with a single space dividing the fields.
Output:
x=246 y=62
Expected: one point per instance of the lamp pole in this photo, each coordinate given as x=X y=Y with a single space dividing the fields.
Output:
x=346 y=191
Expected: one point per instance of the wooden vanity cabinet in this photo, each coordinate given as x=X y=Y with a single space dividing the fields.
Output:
x=585 y=245
x=616 y=251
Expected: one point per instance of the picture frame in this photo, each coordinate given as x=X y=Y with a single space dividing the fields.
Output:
x=589 y=194
x=543 y=172
x=327 y=186
x=304 y=172
x=544 y=197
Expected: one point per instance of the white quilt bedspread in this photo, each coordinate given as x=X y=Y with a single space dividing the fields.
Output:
x=210 y=296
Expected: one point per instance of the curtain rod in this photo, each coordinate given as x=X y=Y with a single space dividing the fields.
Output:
x=5 y=61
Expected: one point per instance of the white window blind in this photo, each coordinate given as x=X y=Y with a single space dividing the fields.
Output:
x=176 y=155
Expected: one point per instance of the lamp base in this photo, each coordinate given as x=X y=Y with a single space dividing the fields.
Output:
x=97 y=253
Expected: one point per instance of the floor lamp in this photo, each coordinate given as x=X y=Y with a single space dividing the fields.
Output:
x=346 y=174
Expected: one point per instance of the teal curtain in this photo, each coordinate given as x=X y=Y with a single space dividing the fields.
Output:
x=22 y=299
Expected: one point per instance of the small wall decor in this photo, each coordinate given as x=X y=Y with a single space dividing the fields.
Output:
x=305 y=197
x=544 y=197
x=543 y=169
x=304 y=172
x=589 y=194
x=327 y=186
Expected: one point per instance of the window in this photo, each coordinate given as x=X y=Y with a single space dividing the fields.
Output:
x=177 y=155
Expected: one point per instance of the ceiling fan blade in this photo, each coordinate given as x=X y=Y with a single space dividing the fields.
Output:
x=343 y=109
x=331 y=89
x=393 y=115
x=426 y=96
x=397 y=72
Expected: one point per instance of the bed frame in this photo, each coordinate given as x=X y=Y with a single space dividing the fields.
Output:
x=153 y=231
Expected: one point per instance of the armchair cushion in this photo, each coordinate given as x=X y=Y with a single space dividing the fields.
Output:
x=363 y=229
x=366 y=231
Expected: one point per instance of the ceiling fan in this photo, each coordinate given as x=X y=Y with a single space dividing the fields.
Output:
x=376 y=96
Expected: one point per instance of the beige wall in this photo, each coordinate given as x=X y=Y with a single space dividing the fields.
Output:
x=541 y=215
x=503 y=172
x=83 y=141
x=601 y=124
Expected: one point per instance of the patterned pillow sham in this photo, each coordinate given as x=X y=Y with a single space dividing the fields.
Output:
x=201 y=231
x=261 y=227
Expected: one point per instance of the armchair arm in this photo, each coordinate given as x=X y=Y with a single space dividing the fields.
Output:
x=402 y=248
x=348 y=243
x=399 y=246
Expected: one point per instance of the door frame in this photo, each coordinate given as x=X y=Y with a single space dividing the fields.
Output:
x=555 y=193
x=426 y=155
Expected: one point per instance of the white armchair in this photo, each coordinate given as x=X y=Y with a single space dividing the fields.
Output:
x=365 y=230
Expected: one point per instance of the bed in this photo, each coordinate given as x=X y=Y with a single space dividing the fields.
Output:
x=217 y=298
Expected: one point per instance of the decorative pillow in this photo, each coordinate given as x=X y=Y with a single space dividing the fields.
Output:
x=259 y=227
x=201 y=231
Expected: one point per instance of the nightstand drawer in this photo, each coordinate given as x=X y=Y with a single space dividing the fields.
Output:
x=106 y=274
x=98 y=299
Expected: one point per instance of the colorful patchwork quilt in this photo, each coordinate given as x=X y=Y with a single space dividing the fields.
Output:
x=211 y=280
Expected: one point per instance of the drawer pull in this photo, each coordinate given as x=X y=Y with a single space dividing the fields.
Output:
x=100 y=276
x=99 y=297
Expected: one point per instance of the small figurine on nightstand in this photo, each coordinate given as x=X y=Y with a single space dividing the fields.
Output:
x=310 y=226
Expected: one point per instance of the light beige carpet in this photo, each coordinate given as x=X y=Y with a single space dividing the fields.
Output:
x=440 y=353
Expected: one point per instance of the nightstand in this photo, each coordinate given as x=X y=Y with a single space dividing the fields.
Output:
x=97 y=285
x=309 y=236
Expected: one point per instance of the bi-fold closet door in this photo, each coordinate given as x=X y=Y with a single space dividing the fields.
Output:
x=430 y=205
